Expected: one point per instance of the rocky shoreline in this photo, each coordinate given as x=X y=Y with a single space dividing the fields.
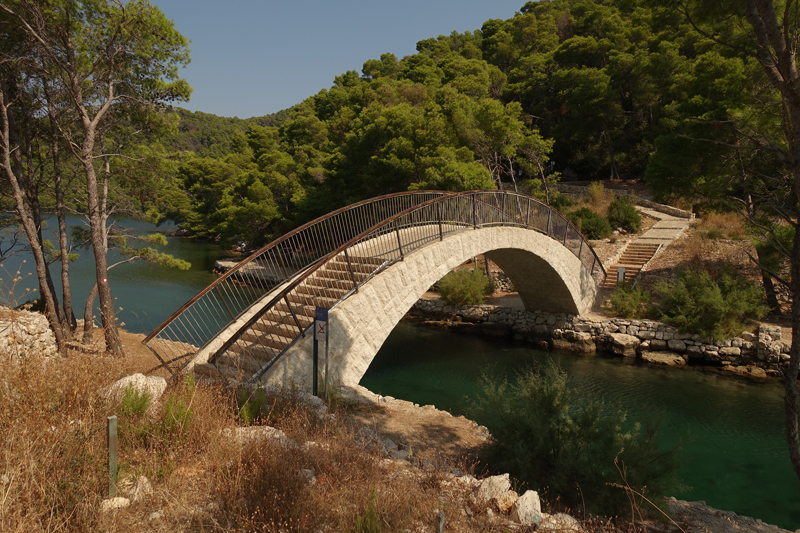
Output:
x=757 y=355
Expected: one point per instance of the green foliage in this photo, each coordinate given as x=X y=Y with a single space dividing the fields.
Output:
x=136 y=428
x=548 y=434
x=253 y=408
x=134 y=403
x=630 y=302
x=591 y=224
x=622 y=214
x=712 y=234
x=370 y=521
x=711 y=303
x=465 y=287
x=596 y=192
x=177 y=418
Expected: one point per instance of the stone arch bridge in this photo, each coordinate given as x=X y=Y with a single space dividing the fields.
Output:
x=369 y=263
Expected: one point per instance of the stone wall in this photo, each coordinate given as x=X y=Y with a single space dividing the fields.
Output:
x=24 y=333
x=757 y=354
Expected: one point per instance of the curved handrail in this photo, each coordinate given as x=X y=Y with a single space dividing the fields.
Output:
x=232 y=273
x=445 y=211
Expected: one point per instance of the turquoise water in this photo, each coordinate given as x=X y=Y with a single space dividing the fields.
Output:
x=734 y=454
x=147 y=293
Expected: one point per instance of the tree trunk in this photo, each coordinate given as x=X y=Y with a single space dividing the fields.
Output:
x=28 y=224
x=66 y=290
x=98 y=230
x=88 y=320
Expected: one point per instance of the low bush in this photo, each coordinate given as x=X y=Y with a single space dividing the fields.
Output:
x=591 y=224
x=630 y=302
x=466 y=287
x=714 y=304
x=596 y=192
x=547 y=434
x=622 y=214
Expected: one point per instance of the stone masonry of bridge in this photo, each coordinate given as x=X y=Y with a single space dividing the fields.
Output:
x=547 y=275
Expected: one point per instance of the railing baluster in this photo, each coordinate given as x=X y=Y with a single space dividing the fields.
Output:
x=439 y=215
x=350 y=267
x=294 y=316
x=399 y=242
x=528 y=215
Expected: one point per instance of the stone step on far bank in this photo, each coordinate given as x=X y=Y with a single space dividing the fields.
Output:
x=756 y=355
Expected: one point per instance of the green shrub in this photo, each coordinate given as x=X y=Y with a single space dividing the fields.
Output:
x=622 y=214
x=548 y=434
x=591 y=224
x=177 y=418
x=560 y=201
x=712 y=234
x=253 y=408
x=134 y=403
x=711 y=304
x=465 y=287
x=596 y=192
x=369 y=522
x=630 y=302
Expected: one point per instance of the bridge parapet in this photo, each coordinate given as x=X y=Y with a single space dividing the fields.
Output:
x=244 y=328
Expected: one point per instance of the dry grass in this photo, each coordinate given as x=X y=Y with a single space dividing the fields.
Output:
x=54 y=462
x=598 y=199
x=53 y=475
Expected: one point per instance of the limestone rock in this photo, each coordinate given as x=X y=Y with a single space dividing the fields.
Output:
x=153 y=385
x=493 y=490
x=676 y=345
x=254 y=434
x=623 y=344
x=559 y=522
x=527 y=508
x=140 y=489
x=663 y=358
x=112 y=504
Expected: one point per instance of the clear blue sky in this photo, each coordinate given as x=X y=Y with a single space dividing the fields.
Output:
x=255 y=57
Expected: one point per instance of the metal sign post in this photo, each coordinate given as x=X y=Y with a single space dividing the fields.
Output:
x=320 y=334
x=112 y=456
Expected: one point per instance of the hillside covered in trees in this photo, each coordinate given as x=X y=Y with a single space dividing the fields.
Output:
x=567 y=89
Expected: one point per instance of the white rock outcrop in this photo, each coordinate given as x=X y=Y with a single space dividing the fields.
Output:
x=154 y=386
x=112 y=504
x=25 y=333
x=527 y=509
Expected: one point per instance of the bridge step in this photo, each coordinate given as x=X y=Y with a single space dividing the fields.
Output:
x=276 y=328
x=299 y=309
x=324 y=292
x=633 y=258
x=361 y=269
x=342 y=275
x=304 y=299
x=361 y=259
x=328 y=283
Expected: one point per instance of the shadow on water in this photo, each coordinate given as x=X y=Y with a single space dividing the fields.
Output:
x=734 y=454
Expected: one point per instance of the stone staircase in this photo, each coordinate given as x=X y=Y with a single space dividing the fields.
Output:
x=282 y=324
x=635 y=256
x=640 y=251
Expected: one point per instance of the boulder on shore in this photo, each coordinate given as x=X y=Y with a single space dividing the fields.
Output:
x=663 y=358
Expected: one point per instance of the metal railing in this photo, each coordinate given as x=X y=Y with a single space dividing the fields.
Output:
x=270 y=294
